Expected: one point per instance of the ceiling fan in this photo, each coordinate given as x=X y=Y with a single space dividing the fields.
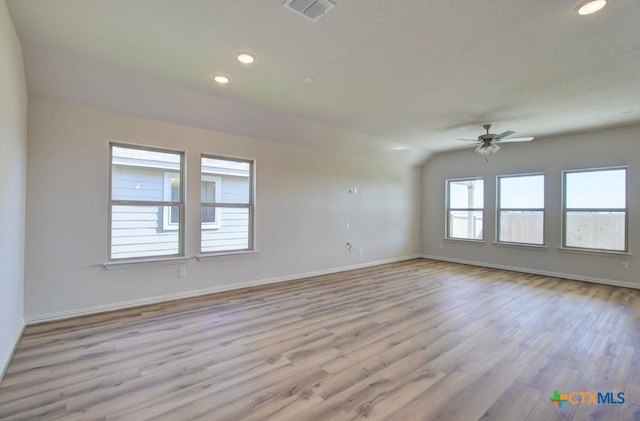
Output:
x=487 y=143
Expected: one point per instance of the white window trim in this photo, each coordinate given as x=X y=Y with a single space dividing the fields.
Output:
x=499 y=209
x=448 y=210
x=625 y=210
x=144 y=262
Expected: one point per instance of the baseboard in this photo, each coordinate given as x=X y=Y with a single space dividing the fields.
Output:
x=5 y=364
x=30 y=320
x=570 y=276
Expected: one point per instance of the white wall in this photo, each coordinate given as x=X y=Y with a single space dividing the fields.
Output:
x=551 y=156
x=302 y=206
x=13 y=159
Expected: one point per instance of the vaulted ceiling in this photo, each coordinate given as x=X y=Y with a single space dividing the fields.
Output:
x=406 y=76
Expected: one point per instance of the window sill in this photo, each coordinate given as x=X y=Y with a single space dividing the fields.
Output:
x=227 y=254
x=520 y=245
x=603 y=253
x=464 y=240
x=138 y=263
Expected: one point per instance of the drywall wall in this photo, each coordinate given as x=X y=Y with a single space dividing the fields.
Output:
x=13 y=160
x=603 y=148
x=302 y=207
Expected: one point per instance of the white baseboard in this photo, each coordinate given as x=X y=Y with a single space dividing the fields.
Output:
x=5 y=364
x=40 y=318
x=570 y=276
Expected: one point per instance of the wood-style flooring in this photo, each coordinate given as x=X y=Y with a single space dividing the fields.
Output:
x=416 y=340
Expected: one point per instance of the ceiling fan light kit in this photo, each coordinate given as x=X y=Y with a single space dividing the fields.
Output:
x=487 y=149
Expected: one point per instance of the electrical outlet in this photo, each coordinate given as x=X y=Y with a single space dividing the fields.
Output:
x=361 y=251
x=624 y=265
x=182 y=271
x=440 y=245
x=348 y=248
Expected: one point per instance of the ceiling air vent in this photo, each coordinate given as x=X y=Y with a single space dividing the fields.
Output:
x=310 y=9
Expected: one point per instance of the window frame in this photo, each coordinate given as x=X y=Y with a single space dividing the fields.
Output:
x=566 y=210
x=180 y=204
x=449 y=209
x=499 y=209
x=218 y=205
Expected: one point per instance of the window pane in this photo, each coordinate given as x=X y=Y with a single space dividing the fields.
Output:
x=235 y=180
x=596 y=189
x=522 y=227
x=175 y=188
x=595 y=230
x=466 y=194
x=232 y=234
x=208 y=191
x=138 y=174
x=138 y=231
x=465 y=224
x=522 y=192
x=174 y=215
x=208 y=215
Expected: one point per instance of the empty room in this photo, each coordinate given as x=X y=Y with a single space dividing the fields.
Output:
x=319 y=210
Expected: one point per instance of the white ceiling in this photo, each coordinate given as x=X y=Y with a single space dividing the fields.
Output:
x=388 y=74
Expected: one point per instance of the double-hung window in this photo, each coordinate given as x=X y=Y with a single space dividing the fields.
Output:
x=521 y=209
x=146 y=202
x=226 y=204
x=595 y=209
x=465 y=208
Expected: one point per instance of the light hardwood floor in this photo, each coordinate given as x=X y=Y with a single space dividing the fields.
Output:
x=417 y=340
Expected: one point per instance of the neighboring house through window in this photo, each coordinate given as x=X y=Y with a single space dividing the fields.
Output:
x=210 y=189
x=146 y=202
x=521 y=209
x=595 y=209
x=227 y=204
x=171 y=215
x=465 y=208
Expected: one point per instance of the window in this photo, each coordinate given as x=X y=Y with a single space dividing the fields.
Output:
x=146 y=202
x=210 y=187
x=521 y=209
x=465 y=208
x=226 y=204
x=595 y=209
x=171 y=215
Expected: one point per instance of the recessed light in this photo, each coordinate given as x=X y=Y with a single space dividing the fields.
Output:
x=590 y=6
x=308 y=80
x=246 y=58
x=221 y=79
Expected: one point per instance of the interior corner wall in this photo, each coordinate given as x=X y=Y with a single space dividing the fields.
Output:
x=611 y=147
x=302 y=205
x=13 y=160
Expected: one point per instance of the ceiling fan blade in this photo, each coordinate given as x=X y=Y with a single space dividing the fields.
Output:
x=469 y=140
x=504 y=134
x=516 y=139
